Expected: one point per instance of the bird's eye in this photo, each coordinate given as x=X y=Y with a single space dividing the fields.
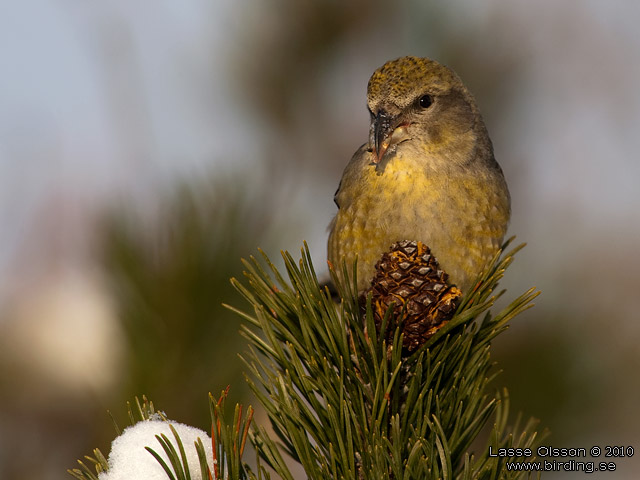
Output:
x=426 y=101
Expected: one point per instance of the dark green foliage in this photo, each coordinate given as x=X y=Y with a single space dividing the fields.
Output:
x=229 y=439
x=170 y=277
x=345 y=404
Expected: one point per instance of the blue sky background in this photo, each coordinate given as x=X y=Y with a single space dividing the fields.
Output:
x=107 y=102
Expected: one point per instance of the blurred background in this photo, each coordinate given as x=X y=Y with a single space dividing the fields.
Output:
x=145 y=147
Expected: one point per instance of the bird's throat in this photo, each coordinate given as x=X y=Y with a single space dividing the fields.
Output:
x=387 y=148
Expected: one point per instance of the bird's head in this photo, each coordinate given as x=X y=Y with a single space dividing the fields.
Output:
x=417 y=97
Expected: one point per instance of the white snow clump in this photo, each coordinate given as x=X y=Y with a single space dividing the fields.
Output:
x=129 y=460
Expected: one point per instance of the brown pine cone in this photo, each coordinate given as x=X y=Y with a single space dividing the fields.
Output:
x=410 y=277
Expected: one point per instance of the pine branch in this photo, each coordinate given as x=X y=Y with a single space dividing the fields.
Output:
x=345 y=402
x=229 y=439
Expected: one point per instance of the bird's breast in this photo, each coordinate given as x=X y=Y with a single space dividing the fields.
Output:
x=453 y=212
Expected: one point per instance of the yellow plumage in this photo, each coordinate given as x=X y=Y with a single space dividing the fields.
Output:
x=426 y=174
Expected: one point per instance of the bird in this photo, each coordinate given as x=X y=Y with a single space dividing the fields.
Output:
x=427 y=173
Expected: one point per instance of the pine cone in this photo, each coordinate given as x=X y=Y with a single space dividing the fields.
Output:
x=410 y=277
